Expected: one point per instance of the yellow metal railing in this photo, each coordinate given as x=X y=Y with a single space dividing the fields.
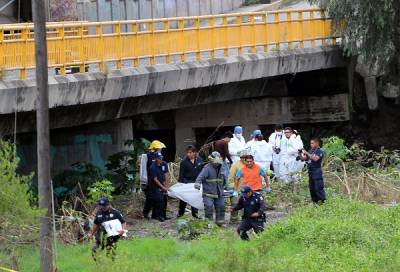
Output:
x=79 y=44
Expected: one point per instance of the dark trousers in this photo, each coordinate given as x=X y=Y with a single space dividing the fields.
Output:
x=214 y=203
x=156 y=201
x=247 y=225
x=317 y=189
x=182 y=207
x=109 y=243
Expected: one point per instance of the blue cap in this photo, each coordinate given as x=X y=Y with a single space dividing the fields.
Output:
x=158 y=155
x=246 y=189
x=104 y=202
x=257 y=132
x=238 y=129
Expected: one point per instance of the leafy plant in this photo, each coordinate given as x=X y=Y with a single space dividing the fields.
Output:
x=122 y=166
x=334 y=146
x=19 y=220
x=80 y=177
x=99 y=189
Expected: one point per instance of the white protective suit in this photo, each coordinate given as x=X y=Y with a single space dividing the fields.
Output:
x=236 y=145
x=262 y=152
x=288 y=166
x=276 y=141
x=299 y=165
x=249 y=144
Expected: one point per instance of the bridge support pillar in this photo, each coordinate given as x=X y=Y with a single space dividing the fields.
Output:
x=183 y=138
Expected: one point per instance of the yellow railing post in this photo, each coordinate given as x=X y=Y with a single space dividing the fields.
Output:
x=24 y=38
x=253 y=48
x=212 y=38
x=135 y=46
x=197 y=26
x=100 y=46
x=118 y=44
x=277 y=34
x=312 y=22
x=265 y=17
x=167 y=46
x=81 y=50
x=289 y=29
x=181 y=26
x=301 y=32
x=239 y=22
x=62 y=50
x=226 y=45
x=152 y=44
x=2 y=57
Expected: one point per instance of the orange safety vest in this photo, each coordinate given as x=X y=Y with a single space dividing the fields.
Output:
x=251 y=177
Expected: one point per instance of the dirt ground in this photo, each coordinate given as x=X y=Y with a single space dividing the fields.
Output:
x=140 y=227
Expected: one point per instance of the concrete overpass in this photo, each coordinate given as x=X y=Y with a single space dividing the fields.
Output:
x=296 y=77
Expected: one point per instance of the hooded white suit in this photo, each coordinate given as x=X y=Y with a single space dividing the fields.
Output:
x=262 y=152
x=236 y=144
x=289 y=151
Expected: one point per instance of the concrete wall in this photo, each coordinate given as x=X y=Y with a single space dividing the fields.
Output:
x=103 y=10
x=91 y=143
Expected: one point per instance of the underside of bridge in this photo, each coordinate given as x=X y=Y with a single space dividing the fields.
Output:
x=182 y=118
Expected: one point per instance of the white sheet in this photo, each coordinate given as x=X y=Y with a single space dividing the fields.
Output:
x=113 y=227
x=187 y=193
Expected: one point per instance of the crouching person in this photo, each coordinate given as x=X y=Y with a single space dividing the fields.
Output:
x=105 y=214
x=253 y=207
x=213 y=179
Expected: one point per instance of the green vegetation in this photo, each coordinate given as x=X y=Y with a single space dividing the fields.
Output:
x=340 y=235
x=370 y=29
x=99 y=189
x=19 y=219
x=345 y=234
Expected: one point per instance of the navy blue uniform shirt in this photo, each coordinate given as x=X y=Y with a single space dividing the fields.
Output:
x=109 y=215
x=157 y=171
x=250 y=205
x=312 y=165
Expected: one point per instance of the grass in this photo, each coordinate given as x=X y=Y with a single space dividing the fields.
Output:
x=340 y=235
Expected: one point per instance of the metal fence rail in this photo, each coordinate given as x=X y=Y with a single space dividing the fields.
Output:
x=125 y=43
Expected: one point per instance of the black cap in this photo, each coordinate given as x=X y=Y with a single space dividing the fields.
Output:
x=104 y=202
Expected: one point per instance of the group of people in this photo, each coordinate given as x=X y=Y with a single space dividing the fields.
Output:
x=235 y=169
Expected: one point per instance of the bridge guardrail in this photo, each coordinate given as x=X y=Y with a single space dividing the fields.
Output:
x=126 y=43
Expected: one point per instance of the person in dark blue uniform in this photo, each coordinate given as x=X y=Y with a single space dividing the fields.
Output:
x=105 y=213
x=154 y=148
x=157 y=188
x=314 y=163
x=253 y=206
x=190 y=168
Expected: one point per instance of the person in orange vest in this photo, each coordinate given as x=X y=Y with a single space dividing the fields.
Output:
x=251 y=175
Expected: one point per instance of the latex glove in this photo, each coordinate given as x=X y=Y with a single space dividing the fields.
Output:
x=197 y=186
x=235 y=194
x=268 y=190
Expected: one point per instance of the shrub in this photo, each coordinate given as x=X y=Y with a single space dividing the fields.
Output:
x=99 y=189
x=19 y=220
x=334 y=146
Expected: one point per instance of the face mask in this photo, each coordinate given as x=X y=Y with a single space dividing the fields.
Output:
x=279 y=133
x=238 y=135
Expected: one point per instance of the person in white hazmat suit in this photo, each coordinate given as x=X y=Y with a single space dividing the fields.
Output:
x=262 y=151
x=290 y=147
x=236 y=144
x=252 y=139
x=275 y=139
x=299 y=164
